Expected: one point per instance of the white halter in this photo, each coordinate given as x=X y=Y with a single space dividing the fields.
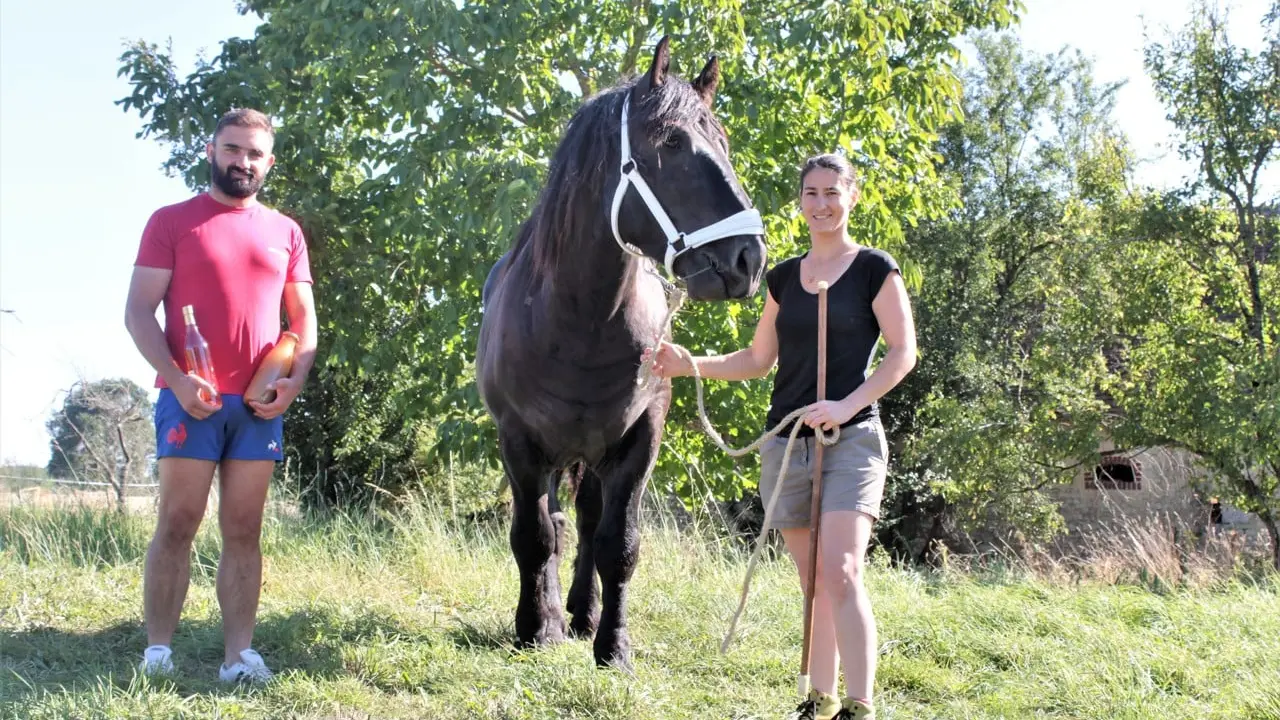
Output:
x=745 y=222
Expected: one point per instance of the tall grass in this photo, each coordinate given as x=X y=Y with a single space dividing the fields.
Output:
x=409 y=615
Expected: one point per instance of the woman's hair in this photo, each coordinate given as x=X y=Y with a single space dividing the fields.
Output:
x=836 y=163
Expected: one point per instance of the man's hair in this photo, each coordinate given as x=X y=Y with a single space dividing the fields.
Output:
x=245 y=118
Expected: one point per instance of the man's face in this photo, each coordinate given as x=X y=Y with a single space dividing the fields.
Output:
x=240 y=159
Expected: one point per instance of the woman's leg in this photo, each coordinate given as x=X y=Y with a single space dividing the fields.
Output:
x=842 y=547
x=824 y=657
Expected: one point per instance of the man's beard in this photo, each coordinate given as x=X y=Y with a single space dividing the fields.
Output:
x=235 y=183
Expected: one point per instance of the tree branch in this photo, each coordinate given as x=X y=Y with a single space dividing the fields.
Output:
x=639 y=33
x=1040 y=485
x=453 y=78
x=1206 y=151
x=585 y=85
x=110 y=474
x=124 y=468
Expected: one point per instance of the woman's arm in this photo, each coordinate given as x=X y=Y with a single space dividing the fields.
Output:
x=892 y=308
x=753 y=361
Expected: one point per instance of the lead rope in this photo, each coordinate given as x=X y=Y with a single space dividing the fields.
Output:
x=675 y=301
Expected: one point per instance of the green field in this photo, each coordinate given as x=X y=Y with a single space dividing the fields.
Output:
x=411 y=617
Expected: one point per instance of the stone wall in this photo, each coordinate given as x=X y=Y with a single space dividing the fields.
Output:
x=1139 y=485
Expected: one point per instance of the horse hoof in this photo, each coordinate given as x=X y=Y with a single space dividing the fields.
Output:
x=551 y=634
x=617 y=657
x=584 y=627
x=622 y=663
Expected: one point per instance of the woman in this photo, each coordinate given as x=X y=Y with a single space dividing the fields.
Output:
x=866 y=300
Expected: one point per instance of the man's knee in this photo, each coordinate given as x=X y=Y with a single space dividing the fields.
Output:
x=177 y=525
x=241 y=528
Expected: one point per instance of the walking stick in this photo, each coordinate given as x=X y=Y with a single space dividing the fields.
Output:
x=815 y=511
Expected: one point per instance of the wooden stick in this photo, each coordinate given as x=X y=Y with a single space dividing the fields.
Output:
x=815 y=510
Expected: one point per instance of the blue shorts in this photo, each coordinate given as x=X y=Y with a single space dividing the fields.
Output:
x=231 y=433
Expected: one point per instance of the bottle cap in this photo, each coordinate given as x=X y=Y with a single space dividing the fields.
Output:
x=189 y=314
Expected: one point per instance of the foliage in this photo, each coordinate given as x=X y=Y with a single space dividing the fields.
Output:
x=1016 y=307
x=103 y=433
x=1202 y=366
x=414 y=136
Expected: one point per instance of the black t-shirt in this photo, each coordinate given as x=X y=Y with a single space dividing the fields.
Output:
x=852 y=334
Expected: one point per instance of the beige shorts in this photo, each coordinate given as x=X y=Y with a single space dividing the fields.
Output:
x=853 y=474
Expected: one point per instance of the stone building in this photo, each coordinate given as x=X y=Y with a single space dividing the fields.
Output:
x=1146 y=484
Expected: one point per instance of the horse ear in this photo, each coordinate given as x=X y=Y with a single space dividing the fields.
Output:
x=708 y=80
x=661 y=62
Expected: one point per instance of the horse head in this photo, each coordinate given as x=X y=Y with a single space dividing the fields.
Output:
x=678 y=200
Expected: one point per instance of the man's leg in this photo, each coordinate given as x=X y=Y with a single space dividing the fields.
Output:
x=243 y=486
x=184 y=494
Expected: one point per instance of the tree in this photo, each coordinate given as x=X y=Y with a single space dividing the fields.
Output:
x=1014 y=313
x=24 y=472
x=1203 y=371
x=103 y=433
x=414 y=137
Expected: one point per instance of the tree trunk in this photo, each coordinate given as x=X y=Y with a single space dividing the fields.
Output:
x=1257 y=319
x=121 y=469
x=1273 y=529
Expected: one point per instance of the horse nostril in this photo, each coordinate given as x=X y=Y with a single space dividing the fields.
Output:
x=742 y=263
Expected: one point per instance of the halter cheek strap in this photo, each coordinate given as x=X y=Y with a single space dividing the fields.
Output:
x=744 y=222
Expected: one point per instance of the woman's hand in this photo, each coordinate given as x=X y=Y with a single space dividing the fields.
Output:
x=672 y=360
x=828 y=414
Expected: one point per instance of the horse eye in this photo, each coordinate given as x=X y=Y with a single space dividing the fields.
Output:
x=672 y=141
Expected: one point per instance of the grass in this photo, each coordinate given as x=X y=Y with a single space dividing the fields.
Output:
x=410 y=616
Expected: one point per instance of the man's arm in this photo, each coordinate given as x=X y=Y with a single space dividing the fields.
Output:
x=146 y=290
x=300 y=306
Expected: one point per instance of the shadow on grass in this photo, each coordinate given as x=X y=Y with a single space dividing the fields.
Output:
x=482 y=636
x=308 y=641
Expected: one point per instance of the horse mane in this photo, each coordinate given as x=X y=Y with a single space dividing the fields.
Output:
x=569 y=209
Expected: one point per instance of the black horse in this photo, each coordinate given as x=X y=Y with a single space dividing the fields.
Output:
x=567 y=313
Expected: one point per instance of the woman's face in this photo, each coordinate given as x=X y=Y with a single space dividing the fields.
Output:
x=825 y=200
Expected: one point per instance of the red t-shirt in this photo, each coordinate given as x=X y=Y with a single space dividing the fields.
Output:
x=231 y=264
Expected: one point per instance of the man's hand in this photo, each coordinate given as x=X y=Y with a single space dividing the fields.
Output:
x=189 y=389
x=286 y=388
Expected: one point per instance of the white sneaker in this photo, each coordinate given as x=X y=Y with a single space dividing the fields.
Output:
x=157 y=660
x=251 y=668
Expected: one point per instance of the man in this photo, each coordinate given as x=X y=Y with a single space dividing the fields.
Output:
x=235 y=262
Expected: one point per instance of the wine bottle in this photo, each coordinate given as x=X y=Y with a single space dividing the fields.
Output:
x=199 y=362
x=278 y=363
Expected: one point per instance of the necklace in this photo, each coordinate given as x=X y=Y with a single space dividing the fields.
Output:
x=812 y=273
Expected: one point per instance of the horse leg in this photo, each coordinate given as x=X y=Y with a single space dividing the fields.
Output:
x=534 y=542
x=584 y=597
x=618 y=535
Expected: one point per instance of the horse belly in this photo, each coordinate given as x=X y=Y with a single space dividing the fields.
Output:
x=585 y=428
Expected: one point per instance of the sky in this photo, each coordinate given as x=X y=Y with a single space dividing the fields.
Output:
x=77 y=186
